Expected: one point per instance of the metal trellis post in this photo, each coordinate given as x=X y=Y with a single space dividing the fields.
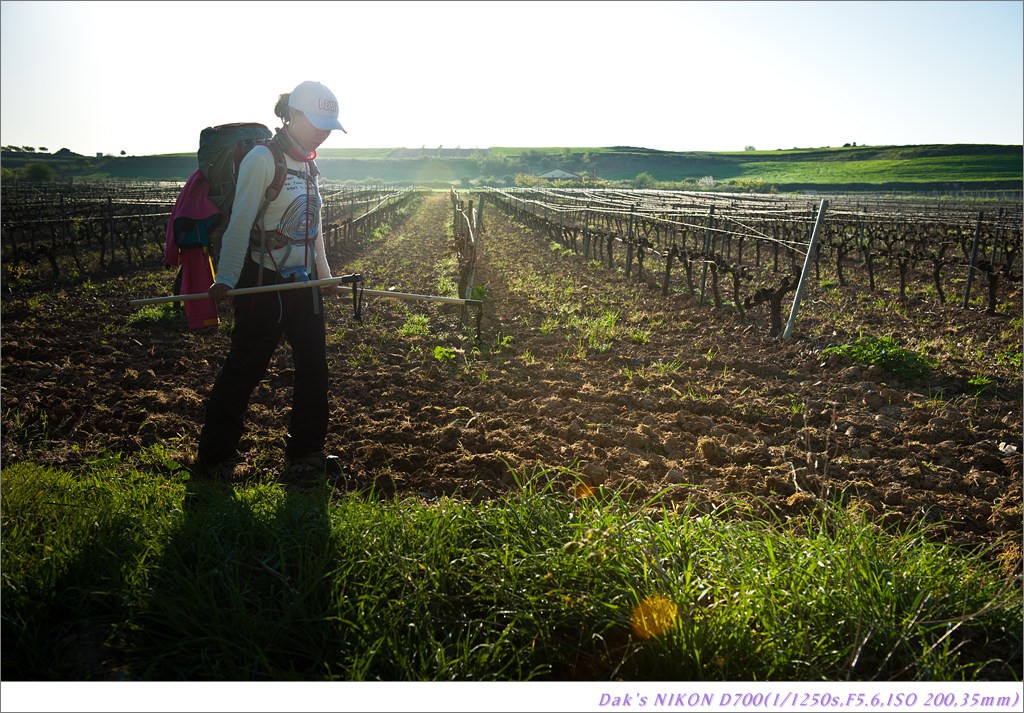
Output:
x=807 y=268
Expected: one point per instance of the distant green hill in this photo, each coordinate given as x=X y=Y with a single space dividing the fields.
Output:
x=952 y=167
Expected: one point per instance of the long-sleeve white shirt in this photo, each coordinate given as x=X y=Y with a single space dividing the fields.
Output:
x=295 y=213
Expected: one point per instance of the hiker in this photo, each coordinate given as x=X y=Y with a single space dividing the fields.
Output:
x=285 y=245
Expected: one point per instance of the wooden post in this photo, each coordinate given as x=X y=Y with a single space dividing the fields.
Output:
x=974 y=259
x=708 y=241
x=629 y=242
x=995 y=240
x=63 y=223
x=110 y=226
x=668 y=266
x=586 y=232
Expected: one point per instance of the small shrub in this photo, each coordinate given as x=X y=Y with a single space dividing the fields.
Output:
x=39 y=171
x=444 y=354
x=886 y=354
x=479 y=292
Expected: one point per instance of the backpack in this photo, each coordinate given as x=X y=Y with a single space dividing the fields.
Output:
x=221 y=150
x=202 y=210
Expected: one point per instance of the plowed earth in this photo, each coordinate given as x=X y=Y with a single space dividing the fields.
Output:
x=581 y=376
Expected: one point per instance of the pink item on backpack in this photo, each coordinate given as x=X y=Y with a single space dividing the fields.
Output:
x=193 y=203
x=196 y=277
x=192 y=209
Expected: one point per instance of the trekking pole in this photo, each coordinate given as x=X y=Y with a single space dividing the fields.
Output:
x=342 y=280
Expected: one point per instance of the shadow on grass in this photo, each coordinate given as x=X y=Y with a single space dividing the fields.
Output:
x=243 y=590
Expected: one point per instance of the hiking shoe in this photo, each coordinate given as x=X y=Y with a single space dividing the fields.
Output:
x=314 y=466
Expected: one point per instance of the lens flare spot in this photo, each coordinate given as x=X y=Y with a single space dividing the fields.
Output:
x=653 y=617
x=584 y=491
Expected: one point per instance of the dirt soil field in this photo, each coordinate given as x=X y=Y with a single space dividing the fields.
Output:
x=580 y=376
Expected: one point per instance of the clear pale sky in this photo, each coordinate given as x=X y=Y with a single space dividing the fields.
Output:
x=146 y=77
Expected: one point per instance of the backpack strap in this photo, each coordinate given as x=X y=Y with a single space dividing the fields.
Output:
x=280 y=173
x=272 y=192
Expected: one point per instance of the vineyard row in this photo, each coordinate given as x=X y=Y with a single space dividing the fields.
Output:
x=86 y=229
x=759 y=244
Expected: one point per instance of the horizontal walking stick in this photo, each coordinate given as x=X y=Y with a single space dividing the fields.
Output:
x=432 y=298
x=342 y=280
x=354 y=279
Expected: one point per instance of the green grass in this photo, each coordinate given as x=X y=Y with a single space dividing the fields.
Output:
x=925 y=167
x=159 y=578
x=417 y=325
x=155 y=314
x=363 y=154
x=928 y=165
x=910 y=170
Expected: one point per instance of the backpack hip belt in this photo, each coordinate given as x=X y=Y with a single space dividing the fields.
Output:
x=275 y=240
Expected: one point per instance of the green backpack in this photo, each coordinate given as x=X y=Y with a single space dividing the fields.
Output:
x=221 y=150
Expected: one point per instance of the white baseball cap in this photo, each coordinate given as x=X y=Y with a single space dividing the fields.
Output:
x=319 y=105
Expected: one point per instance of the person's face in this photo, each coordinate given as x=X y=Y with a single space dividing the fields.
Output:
x=305 y=133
